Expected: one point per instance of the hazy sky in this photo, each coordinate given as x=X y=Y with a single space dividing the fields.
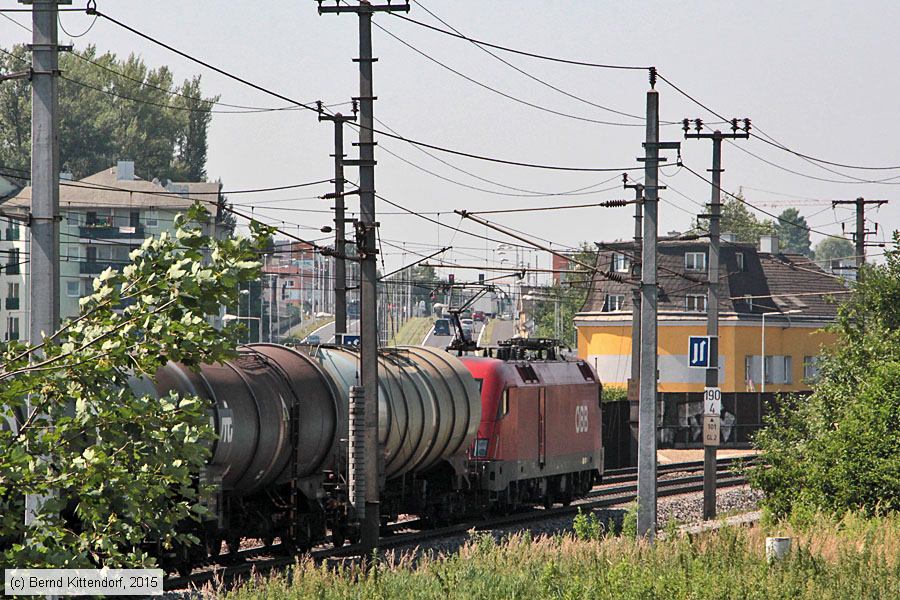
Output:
x=817 y=76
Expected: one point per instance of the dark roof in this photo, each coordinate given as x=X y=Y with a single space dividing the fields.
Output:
x=779 y=281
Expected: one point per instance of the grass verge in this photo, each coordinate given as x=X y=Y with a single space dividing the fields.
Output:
x=300 y=332
x=852 y=558
x=412 y=332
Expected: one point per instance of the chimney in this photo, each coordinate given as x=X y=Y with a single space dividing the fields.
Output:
x=125 y=170
x=768 y=244
x=728 y=238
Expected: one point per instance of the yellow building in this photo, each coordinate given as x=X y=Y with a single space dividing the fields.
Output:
x=790 y=294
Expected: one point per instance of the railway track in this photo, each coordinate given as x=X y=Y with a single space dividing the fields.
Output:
x=619 y=487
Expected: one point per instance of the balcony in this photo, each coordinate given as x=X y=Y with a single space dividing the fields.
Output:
x=12 y=304
x=108 y=232
x=95 y=267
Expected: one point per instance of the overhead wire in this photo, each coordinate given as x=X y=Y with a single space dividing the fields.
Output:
x=522 y=52
x=527 y=74
x=500 y=92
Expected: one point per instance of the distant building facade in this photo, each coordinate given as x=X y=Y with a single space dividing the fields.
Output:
x=103 y=217
x=797 y=298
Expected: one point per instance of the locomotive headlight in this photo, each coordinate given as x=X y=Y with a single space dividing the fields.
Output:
x=481 y=447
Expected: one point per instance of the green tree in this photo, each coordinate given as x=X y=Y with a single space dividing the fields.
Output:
x=831 y=248
x=839 y=449
x=793 y=232
x=737 y=219
x=110 y=109
x=117 y=467
x=570 y=295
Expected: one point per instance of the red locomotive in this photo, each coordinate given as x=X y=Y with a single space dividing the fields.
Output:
x=539 y=440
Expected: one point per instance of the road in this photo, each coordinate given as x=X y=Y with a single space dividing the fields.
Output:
x=503 y=330
x=326 y=332
x=441 y=341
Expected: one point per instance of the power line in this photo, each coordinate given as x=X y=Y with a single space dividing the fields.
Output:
x=606 y=204
x=525 y=192
x=384 y=133
x=741 y=200
x=500 y=160
x=501 y=93
x=780 y=146
x=523 y=52
x=529 y=75
x=439 y=224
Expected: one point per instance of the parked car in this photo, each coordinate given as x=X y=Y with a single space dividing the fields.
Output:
x=479 y=316
x=313 y=339
x=442 y=327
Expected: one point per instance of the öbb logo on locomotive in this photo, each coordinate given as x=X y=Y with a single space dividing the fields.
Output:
x=460 y=436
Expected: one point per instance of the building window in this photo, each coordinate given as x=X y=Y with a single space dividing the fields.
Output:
x=748 y=300
x=12 y=290
x=810 y=369
x=12 y=328
x=788 y=373
x=12 y=262
x=768 y=363
x=73 y=289
x=12 y=231
x=694 y=261
x=749 y=376
x=739 y=256
x=151 y=218
x=614 y=302
x=620 y=263
x=695 y=303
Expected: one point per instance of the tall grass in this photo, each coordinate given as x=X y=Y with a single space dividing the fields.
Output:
x=852 y=558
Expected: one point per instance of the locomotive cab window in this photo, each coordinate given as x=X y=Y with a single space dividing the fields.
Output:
x=503 y=407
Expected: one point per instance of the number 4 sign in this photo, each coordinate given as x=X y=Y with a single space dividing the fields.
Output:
x=712 y=401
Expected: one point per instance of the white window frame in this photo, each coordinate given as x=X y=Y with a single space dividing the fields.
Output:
x=620 y=263
x=151 y=218
x=12 y=290
x=739 y=257
x=690 y=261
x=615 y=299
x=748 y=300
x=77 y=293
x=697 y=299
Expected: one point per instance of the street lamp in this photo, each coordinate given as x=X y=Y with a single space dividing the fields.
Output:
x=762 y=358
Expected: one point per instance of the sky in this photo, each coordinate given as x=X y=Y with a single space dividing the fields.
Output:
x=816 y=76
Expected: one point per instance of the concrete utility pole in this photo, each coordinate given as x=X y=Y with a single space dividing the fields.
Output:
x=366 y=243
x=634 y=382
x=712 y=393
x=861 y=232
x=646 y=525
x=44 y=268
x=340 y=221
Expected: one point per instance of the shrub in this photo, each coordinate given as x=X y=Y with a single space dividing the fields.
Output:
x=839 y=449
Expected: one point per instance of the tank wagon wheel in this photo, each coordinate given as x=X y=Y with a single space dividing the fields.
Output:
x=234 y=545
x=214 y=546
x=548 y=500
x=338 y=538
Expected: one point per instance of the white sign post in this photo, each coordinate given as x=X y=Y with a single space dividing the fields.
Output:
x=711 y=430
x=712 y=401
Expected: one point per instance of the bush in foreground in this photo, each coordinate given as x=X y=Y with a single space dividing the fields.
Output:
x=839 y=449
x=853 y=558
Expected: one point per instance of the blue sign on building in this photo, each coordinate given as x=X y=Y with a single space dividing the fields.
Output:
x=698 y=351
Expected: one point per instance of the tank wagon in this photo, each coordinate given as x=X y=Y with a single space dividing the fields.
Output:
x=460 y=436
